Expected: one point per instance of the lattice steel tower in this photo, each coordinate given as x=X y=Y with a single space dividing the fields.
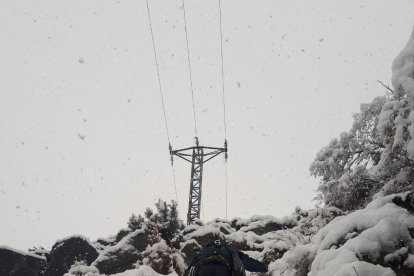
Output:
x=197 y=156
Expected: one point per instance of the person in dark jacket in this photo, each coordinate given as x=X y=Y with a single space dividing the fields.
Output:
x=219 y=259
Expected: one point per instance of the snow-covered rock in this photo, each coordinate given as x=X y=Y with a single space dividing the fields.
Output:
x=376 y=240
x=15 y=262
x=264 y=224
x=123 y=255
x=190 y=248
x=81 y=269
x=67 y=251
x=143 y=271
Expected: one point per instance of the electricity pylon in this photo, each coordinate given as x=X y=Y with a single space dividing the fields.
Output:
x=197 y=156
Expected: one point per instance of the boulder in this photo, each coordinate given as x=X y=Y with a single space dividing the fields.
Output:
x=18 y=263
x=264 y=226
x=405 y=201
x=110 y=241
x=203 y=235
x=67 y=251
x=124 y=254
x=190 y=249
x=122 y=234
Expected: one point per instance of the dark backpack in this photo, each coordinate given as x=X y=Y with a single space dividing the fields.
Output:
x=217 y=253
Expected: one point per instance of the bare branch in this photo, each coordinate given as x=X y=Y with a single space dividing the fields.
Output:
x=355 y=270
x=386 y=86
x=355 y=158
x=300 y=238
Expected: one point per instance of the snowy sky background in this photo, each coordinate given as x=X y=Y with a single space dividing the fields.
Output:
x=82 y=137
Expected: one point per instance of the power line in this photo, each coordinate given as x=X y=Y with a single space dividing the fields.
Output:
x=161 y=93
x=158 y=72
x=175 y=183
x=226 y=191
x=222 y=72
x=223 y=97
x=189 y=69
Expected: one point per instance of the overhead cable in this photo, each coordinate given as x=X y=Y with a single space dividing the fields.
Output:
x=161 y=93
x=189 y=69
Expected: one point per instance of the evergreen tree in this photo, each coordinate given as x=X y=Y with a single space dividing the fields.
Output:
x=162 y=227
x=154 y=227
x=170 y=223
x=148 y=213
x=135 y=222
x=175 y=223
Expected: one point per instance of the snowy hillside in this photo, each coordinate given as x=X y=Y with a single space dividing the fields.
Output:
x=376 y=240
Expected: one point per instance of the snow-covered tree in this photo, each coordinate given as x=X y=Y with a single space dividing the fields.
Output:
x=135 y=222
x=148 y=213
x=396 y=126
x=344 y=164
x=154 y=227
x=158 y=254
x=377 y=154
x=82 y=269
x=170 y=223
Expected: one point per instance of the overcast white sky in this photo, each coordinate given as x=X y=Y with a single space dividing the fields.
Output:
x=82 y=137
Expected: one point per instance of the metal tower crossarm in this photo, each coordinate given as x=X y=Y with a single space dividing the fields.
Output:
x=197 y=156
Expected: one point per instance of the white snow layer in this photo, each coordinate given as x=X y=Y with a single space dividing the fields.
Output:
x=143 y=271
x=82 y=270
x=19 y=252
x=352 y=244
x=123 y=245
x=403 y=82
x=403 y=67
